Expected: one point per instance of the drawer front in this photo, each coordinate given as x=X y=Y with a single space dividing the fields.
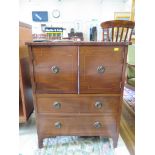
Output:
x=85 y=125
x=106 y=104
x=55 y=69
x=100 y=69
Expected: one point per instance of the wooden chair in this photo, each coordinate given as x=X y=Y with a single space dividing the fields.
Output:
x=117 y=30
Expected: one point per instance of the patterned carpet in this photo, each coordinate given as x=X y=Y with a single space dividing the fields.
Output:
x=129 y=96
x=74 y=145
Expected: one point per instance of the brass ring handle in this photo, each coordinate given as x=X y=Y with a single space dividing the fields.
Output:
x=97 y=125
x=98 y=104
x=101 y=69
x=57 y=125
x=55 y=69
x=57 y=105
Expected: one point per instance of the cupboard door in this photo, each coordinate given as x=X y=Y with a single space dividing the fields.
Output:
x=100 y=69
x=55 y=69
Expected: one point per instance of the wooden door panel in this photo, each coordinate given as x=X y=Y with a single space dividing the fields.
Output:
x=65 y=59
x=93 y=81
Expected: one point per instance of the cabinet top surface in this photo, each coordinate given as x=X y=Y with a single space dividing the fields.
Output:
x=22 y=24
x=75 y=43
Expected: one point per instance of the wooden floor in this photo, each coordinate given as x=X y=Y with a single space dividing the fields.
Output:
x=127 y=127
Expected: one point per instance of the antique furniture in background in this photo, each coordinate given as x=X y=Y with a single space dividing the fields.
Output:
x=115 y=34
x=127 y=125
x=25 y=90
x=127 y=16
x=117 y=30
x=130 y=78
x=77 y=87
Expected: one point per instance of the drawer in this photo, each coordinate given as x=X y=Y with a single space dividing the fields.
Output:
x=80 y=104
x=55 y=69
x=79 y=125
x=101 y=69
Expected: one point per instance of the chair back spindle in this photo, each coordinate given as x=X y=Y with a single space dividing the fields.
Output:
x=117 y=30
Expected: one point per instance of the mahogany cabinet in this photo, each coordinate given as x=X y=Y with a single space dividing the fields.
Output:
x=100 y=69
x=48 y=60
x=77 y=87
x=25 y=89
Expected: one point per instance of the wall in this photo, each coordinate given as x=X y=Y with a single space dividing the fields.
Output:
x=79 y=14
